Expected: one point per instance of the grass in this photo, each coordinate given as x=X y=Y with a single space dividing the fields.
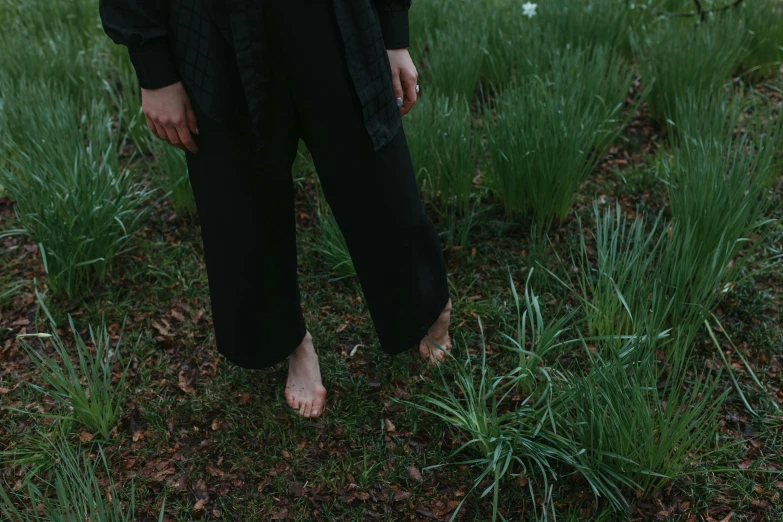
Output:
x=77 y=492
x=644 y=426
x=674 y=53
x=445 y=147
x=632 y=369
x=88 y=389
x=73 y=198
x=173 y=169
x=763 y=20
x=552 y=130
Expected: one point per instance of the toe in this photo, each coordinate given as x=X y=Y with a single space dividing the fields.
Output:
x=302 y=408
x=318 y=405
x=307 y=409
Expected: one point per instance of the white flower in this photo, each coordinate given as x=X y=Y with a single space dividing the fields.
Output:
x=529 y=9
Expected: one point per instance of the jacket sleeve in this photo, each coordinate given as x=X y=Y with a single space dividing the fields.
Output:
x=141 y=25
x=393 y=16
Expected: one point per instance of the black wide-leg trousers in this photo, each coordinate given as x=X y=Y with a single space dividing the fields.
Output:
x=245 y=198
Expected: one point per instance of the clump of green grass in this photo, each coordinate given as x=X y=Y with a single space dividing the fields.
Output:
x=516 y=45
x=84 y=388
x=605 y=23
x=445 y=149
x=552 y=130
x=616 y=289
x=527 y=439
x=678 y=56
x=173 y=170
x=331 y=242
x=763 y=20
x=75 y=492
x=60 y=41
x=637 y=421
x=719 y=195
x=119 y=79
x=456 y=54
x=72 y=196
x=534 y=337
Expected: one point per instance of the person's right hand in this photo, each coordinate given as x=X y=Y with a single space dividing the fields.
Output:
x=170 y=116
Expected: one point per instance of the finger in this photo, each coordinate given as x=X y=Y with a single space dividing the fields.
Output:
x=151 y=126
x=409 y=86
x=173 y=137
x=160 y=131
x=186 y=138
x=190 y=116
x=397 y=88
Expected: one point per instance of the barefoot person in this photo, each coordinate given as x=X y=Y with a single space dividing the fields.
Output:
x=236 y=84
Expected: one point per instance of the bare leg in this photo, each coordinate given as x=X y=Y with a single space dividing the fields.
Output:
x=304 y=391
x=437 y=339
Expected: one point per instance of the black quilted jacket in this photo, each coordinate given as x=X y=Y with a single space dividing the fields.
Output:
x=173 y=40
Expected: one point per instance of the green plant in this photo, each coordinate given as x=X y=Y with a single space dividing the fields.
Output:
x=551 y=131
x=86 y=387
x=680 y=55
x=528 y=438
x=605 y=23
x=173 y=168
x=445 y=149
x=332 y=245
x=331 y=242
x=455 y=55
x=763 y=20
x=639 y=422
x=617 y=289
x=78 y=493
x=534 y=338
x=123 y=88
x=60 y=41
x=72 y=196
x=719 y=196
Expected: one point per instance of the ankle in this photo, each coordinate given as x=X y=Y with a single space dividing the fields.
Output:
x=306 y=347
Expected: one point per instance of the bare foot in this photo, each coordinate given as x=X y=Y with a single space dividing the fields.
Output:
x=304 y=391
x=437 y=339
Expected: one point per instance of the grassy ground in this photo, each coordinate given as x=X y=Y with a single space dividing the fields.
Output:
x=216 y=441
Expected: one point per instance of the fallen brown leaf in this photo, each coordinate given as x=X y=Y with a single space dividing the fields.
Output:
x=414 y=473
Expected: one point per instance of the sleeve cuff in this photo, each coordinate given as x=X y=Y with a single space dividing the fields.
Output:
x=154 y=64
x=394 y=27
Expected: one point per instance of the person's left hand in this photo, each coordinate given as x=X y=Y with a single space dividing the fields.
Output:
x=404 y=78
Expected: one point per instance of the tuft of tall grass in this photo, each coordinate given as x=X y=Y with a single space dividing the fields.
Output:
x=75 y=492
x=616 y=290
x=552 y=130
x=516 y=45
x=719 y=194
x=331 y=242
x=763 y=20
x=445 y=149
x=456 y=54
x=605 y=23
x=62 y=169
x=86 y=387
x=678 y=56
x=61 y=41
x=120 y=82
x=527 y=439
x=534 y=337
x=640 y=423
x=172 y=167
